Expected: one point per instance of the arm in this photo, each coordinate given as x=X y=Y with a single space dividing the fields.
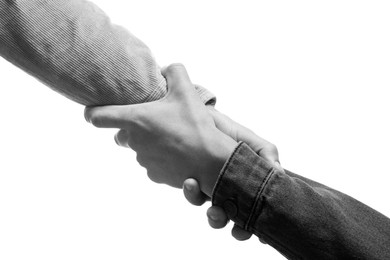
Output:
x=355 y=218
x=216 y=216
x=176 y=138
x=299 y=217
x=72 y=47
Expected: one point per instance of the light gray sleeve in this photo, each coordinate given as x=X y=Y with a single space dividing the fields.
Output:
x=72 y=47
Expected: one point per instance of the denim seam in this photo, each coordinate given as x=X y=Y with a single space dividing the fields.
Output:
x=224 y=169
x=257 y=199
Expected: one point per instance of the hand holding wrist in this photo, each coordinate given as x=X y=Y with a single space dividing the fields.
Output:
x=175 y=138
x=216 y=216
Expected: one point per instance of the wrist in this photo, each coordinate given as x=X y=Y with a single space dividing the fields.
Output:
x=220 y=149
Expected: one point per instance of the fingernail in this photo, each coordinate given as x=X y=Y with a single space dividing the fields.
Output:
x=213 y=217
x=116 y=139
x=188 y=187
x=86 y=112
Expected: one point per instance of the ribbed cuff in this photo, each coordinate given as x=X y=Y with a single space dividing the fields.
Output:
x=207 y=97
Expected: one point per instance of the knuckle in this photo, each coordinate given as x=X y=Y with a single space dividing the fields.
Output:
x=174 y=68
x=273 y=148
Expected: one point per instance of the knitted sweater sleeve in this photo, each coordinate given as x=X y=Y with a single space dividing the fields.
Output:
x=72 y=47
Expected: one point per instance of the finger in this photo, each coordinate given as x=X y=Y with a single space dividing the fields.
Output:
x=122 y=137
x=193 y=193
x=261 y=146
x=217 y=217
x=271 y=153
x=106 y=116
x=262 y=240
x=112 y=116
x=240 y=133
x=177 y=78
x=240 y=234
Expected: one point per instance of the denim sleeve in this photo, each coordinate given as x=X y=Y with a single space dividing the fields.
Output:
x=72 y=47
x=300 y=218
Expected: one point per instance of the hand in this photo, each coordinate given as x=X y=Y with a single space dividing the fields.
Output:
x=216 y=216
x=175 y=137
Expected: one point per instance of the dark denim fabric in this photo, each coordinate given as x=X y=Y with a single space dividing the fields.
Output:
x=299 y=217
x=72 y=47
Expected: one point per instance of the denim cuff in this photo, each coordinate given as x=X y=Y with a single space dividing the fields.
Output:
x=240 y=185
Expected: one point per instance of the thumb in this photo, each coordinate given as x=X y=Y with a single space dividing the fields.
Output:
x=113 y=116
x=178 y=81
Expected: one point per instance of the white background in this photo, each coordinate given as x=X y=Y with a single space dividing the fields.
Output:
x=310 y=76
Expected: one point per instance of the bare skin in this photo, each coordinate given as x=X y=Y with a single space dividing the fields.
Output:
x=180 y=141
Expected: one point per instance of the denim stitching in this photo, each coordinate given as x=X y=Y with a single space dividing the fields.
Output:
x=260 y=191
x=224 y=169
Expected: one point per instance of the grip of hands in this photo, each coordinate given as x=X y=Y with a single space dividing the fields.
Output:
x=217 y=217
x=180 y=141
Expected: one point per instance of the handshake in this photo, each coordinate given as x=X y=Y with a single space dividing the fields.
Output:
x=181 y=142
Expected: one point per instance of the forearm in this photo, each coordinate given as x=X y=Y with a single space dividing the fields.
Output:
x=299 y=217
x=72 y=47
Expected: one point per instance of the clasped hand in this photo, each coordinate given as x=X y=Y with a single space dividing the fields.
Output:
x=180 y=140
x=175 y=138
